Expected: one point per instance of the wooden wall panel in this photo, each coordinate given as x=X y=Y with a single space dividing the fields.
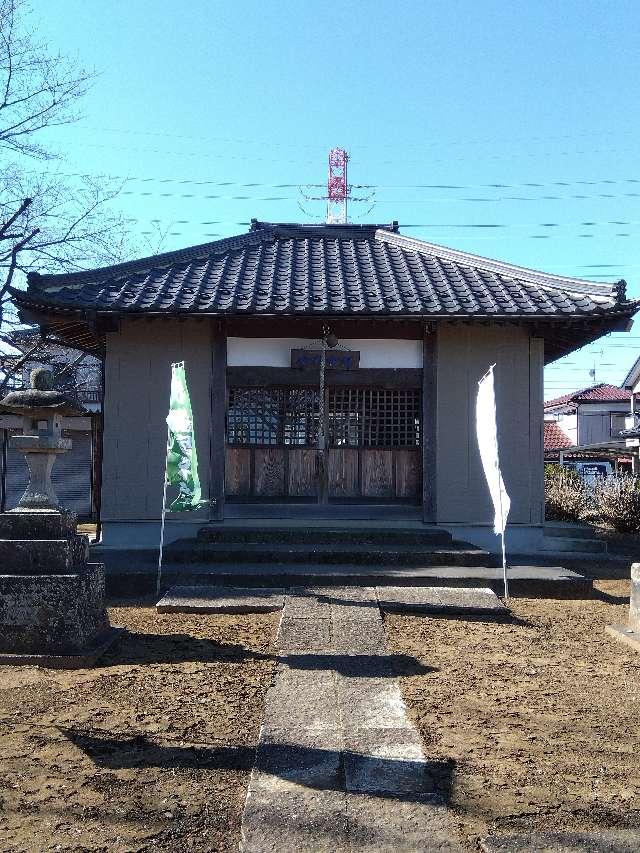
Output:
x=268 y=472
x=408 y=477
x=303 y=480
x=343 y=472
x=238 y=471
x=377 y=473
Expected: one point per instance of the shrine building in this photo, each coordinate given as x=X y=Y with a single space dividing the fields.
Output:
x=386 y=431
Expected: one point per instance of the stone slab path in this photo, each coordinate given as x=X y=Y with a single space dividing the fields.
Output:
x=220 y=599
x=595 y=841
x=445 y=600
x=339 y=766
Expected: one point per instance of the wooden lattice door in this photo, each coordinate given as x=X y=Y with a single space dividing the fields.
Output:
x=373 y=444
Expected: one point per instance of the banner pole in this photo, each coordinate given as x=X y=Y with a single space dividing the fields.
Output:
x=504 y=571
x=503 y=522
x=164 y=512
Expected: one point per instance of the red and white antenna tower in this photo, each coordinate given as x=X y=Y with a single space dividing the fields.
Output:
x=337 y=187
x=338 y=190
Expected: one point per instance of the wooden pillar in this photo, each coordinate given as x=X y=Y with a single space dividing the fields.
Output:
x=429 y=423
x=218 y=418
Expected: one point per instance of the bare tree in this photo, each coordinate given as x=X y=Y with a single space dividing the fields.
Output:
x=49 y=220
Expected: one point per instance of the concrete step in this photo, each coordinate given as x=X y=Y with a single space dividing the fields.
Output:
x=457 y=554
x=435 y=600
x=137 y=578
x=324 y=535
x=571 y=530
x=559 y=544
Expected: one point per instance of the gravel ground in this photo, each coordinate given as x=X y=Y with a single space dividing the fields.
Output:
x=151 y=750
x=535 y=725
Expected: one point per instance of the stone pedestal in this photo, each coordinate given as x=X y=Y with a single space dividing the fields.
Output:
x=630 y=633
x=40 y=453
x=52 y=609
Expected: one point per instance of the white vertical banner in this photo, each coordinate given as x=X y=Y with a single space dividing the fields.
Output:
x=487 y=432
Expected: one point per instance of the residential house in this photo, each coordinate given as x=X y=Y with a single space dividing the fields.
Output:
x=582 y=429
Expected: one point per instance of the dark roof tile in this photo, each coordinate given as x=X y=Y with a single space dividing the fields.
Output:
x=329 y=269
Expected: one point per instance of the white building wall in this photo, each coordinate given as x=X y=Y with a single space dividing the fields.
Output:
x=276 y=352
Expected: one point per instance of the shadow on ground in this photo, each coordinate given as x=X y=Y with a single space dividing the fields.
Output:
x=311 y=767
x=140 y=649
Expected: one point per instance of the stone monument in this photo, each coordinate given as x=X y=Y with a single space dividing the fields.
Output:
x=52 y=608
x=630 y=633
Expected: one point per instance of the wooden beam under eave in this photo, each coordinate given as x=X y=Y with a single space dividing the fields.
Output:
x=429 y=425
x=217 y=425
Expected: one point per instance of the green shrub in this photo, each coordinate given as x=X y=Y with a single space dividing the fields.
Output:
x=566 y=495
x=616 y=501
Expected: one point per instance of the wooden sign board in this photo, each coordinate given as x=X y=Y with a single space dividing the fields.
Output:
x=305 y=359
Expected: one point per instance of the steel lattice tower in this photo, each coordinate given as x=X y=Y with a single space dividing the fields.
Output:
x=337 y=187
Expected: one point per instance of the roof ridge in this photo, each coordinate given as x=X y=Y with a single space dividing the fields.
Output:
x=549 y=280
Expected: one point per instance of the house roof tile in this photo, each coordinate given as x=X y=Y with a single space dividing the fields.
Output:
x=555 y=438
x=601 y=393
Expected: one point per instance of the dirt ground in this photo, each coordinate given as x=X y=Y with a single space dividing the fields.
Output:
x=534 y=724
x=151 y=750
x=531 y=724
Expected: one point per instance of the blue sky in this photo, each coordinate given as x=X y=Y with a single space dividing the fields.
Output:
x=506 y=129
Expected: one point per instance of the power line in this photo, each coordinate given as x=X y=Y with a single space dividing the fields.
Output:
x=498 y=185
x=409 y=145
x=432 y=225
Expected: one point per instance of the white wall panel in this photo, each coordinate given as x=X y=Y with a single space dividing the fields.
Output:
x=276 y=352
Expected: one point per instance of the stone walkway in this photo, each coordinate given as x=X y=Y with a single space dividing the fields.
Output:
x=339 y=766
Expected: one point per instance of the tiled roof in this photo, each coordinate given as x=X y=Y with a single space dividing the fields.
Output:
x=554 y=437
x=601 y=393
x=325 y=269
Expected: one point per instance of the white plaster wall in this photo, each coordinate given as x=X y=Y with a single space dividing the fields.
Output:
x=569 y=425
x=276 y=352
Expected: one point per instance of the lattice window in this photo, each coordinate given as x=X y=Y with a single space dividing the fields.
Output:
x=282 y=416
x=301 y=416
x=356 y=417
x=254 y=416
x=374 y=417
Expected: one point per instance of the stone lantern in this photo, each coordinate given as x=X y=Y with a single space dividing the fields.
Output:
x=630 y=633
x=52 y=610
x=42 y=410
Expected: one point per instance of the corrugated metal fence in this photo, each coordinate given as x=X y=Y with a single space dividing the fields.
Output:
x=72 y=477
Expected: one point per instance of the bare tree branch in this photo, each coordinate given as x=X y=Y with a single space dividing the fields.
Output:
x=48 y=222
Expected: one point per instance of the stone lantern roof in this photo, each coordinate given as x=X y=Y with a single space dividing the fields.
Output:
x=40 y=398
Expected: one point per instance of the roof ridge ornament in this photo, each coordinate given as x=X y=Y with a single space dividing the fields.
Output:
x=620 y=290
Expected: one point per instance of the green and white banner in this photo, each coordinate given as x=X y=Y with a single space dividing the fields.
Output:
x=182 y=459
